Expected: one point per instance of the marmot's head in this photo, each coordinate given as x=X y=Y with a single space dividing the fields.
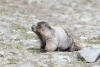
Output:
x=40 y=27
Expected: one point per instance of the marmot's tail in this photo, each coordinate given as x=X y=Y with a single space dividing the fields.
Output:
x=78 y=47
x=75 y=47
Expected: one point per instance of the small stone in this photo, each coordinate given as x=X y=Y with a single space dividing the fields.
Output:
x=89 y=54
x=29 y=32
x=1 y=53
x=26 y=65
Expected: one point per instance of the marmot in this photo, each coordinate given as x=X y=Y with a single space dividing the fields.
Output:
x=54 y=38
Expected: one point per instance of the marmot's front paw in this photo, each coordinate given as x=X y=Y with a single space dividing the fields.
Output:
x=43 y=51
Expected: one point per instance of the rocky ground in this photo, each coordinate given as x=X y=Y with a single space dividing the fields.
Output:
x=19 y=46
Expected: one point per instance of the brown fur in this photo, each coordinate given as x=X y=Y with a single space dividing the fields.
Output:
x=53 y=38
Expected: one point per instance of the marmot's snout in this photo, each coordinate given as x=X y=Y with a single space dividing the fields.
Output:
x=33 y=28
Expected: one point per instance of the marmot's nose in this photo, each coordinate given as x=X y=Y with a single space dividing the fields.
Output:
x=32 y=28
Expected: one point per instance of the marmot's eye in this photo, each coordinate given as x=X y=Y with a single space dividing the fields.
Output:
x=39 y=26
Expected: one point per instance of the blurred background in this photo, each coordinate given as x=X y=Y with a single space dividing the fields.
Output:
x=81 y=19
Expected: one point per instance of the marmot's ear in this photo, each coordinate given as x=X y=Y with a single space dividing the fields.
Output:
x=48 y=25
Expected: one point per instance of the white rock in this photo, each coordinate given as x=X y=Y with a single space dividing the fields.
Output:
x=89 y=54
x=83 y=37
x=29 y=32
x=1 y=53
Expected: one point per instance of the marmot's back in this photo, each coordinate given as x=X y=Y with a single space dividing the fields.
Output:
x=61 y=37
